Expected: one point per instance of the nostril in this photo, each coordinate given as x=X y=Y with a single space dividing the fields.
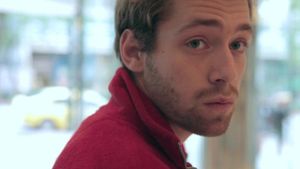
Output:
x=222 y=74
x=216 y=76
x=220 y=80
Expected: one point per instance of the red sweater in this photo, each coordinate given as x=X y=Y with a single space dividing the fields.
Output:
x=128 y=133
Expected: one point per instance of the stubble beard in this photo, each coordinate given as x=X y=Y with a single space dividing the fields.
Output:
x=168 y=101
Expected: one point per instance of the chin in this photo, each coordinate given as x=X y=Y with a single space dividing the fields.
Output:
x=212 y=131
x=216 y=133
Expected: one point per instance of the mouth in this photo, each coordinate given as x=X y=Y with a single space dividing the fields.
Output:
x=220 y=104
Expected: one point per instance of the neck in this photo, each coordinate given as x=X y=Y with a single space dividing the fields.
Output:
x=180 y=132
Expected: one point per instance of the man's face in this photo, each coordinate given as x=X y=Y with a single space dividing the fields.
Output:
x=195 y=71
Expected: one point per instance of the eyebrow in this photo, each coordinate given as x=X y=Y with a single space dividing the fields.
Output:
x=245 y=27
x=215 y=23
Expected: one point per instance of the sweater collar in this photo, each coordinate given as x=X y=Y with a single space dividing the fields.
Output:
x=124 y=91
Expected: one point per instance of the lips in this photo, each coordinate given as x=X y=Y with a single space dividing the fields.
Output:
x=220 y=104
x=221 y=100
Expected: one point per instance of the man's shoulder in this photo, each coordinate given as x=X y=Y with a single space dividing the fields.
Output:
x=108 y=129
x=110 y=124
x=110 y=143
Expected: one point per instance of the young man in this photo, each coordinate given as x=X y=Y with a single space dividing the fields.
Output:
x=183 y=62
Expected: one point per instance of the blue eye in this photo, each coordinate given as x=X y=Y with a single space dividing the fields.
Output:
x=196 y=44
x=239 y=46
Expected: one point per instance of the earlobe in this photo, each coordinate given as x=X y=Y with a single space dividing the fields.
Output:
x=130 y=52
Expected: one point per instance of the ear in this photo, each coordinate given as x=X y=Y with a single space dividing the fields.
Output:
x=130 y=52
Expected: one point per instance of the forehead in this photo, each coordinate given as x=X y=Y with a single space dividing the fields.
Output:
x=221 y=8
x=230 y=15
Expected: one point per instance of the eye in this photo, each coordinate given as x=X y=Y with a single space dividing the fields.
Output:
x=239 y=46
x=197 y=44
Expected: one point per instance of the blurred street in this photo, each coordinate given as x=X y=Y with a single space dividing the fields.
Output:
x=28 y=148
x=34 y=150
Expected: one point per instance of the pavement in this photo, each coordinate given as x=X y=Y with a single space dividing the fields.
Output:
x=21 y=147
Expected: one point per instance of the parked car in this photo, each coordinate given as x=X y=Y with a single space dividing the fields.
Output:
x=50 y=106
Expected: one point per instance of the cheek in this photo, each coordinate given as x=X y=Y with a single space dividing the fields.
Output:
x=186 y=81
x=243 y=69
x=185 y=74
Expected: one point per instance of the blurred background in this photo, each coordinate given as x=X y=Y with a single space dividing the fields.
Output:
x=57 y=59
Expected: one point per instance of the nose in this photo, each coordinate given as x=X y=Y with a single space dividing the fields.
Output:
x=223 y=68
